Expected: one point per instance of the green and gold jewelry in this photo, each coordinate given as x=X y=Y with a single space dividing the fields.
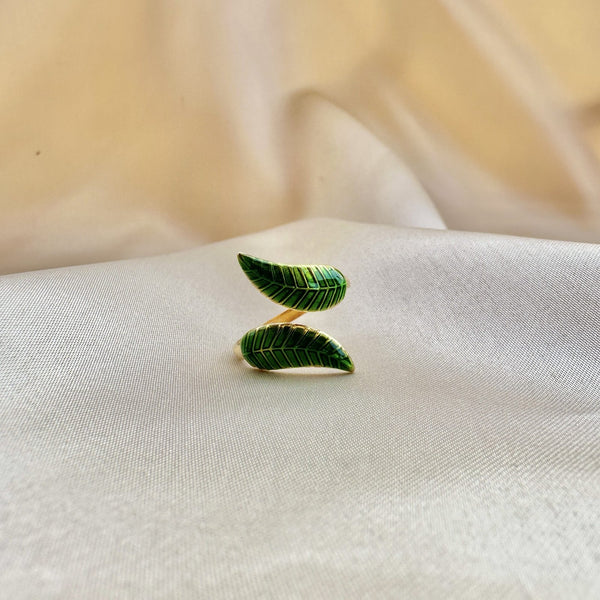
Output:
x=279 y=344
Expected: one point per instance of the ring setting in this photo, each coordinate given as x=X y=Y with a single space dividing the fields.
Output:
x=279 y=343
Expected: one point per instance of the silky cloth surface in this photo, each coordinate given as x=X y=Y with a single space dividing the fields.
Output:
x=140 y=459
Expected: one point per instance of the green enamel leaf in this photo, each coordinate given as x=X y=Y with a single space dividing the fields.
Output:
x=286 y=345
x=301 y=287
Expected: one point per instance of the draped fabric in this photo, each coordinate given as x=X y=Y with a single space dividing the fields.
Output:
x=443 y=155
x=138 y=128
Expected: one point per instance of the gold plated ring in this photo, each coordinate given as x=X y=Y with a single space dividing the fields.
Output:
x=279 y=343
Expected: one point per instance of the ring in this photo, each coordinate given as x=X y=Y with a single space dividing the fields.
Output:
x=280 y=344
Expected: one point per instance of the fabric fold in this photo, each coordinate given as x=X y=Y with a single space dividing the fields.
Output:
x=140 y=459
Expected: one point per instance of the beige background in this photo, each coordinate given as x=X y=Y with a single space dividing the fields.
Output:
x=142 y=127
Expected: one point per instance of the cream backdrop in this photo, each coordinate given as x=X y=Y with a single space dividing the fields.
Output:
x=452 y=146
x=133 y=128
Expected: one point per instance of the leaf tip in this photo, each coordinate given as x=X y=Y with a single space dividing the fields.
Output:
x=243 y=258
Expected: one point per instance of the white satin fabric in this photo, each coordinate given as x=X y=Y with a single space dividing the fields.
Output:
x=139 y=459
